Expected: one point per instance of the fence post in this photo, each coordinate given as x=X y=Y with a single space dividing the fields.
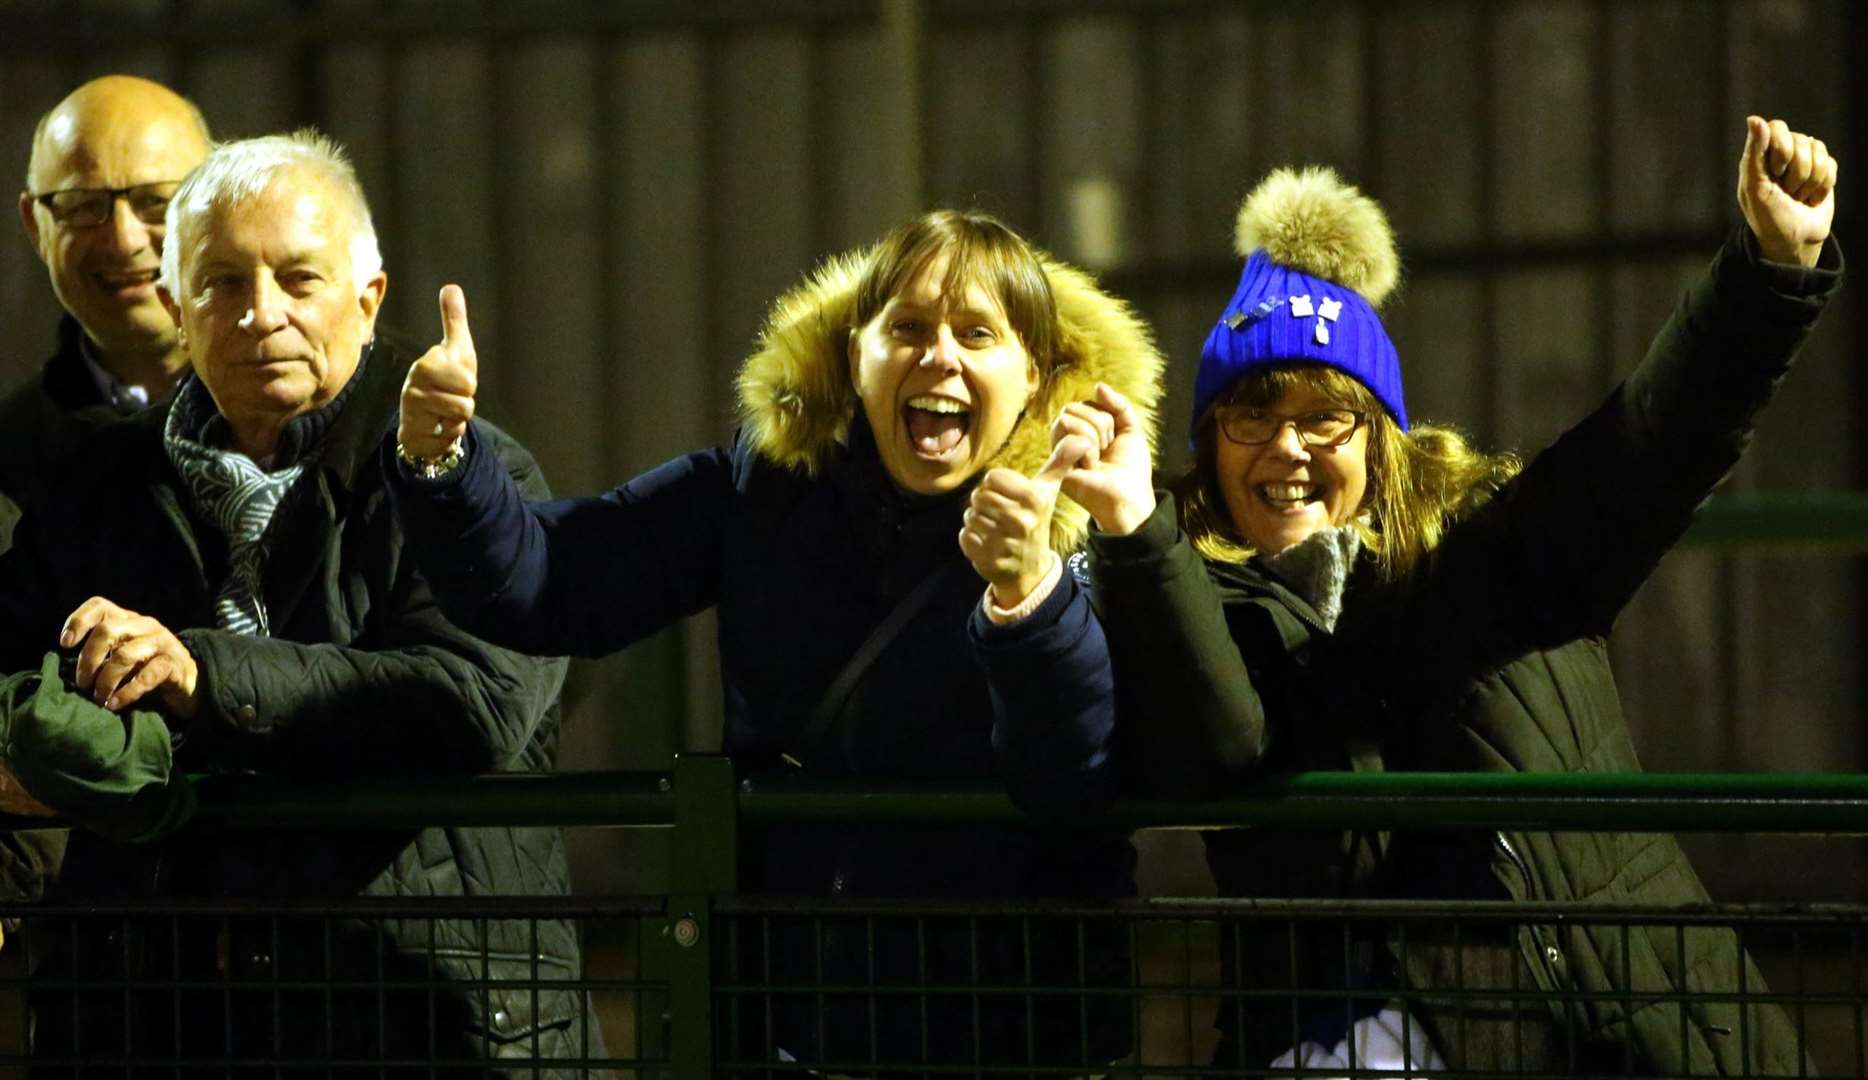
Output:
x=706 y=853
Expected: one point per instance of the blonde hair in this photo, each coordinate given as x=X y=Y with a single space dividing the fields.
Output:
x=1419 y=481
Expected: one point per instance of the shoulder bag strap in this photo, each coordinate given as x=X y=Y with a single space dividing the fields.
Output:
x=837 y=695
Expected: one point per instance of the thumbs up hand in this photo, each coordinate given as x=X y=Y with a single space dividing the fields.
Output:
x=1787 y=190
x=1117 y=485
x=437 y=395
x=1006 y=530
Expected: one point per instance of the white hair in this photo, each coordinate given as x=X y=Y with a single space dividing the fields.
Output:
x=245 y=169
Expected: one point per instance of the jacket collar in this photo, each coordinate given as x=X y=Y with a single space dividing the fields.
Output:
x=1253 y=580
x=75 y=378
x=796 y=403
x=66 y=382
x=356 y=430
x=889 y=521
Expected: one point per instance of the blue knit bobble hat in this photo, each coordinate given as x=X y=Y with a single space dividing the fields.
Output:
x=1319 y=259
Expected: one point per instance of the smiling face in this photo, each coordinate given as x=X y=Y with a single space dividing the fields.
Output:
x=271 y=315
x=1280 y=493
x=114 y=133
x=943 y=378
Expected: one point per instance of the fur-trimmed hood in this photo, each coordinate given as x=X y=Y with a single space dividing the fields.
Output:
x=796 y=399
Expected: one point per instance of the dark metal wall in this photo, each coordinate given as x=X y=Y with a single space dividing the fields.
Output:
x=622 y=187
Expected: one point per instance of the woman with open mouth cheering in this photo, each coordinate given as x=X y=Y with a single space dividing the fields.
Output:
x=894 y=449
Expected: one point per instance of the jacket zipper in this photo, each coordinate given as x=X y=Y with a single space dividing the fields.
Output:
x=1512 y=853
x=1544 y=953
x=1284 y=598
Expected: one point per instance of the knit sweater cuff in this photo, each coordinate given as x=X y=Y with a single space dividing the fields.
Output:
x=1006 y=616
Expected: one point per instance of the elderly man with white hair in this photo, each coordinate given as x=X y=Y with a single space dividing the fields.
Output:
x=230 y=559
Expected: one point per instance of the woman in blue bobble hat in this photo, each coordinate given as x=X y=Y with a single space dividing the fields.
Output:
x=1330 y=587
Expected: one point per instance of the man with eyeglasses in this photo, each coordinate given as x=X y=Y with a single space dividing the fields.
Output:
x=104 y=163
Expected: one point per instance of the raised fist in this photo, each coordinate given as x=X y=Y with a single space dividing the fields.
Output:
x=1787 y=191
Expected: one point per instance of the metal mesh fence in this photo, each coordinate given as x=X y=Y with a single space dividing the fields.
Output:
x=436 y=987
x=749 y=986
x=1205 y=987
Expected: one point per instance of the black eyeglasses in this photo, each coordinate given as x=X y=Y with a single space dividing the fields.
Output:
x=81 y=208
x=1249 y=425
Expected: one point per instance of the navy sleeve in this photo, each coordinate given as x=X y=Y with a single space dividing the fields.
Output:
x=1053 y=698
x=571 y=576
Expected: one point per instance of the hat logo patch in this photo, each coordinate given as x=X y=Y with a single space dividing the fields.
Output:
x=1327 y=310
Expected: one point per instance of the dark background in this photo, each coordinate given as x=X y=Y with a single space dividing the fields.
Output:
x=621 y=188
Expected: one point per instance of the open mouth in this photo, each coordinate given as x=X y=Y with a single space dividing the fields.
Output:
x=1288 y=497
x=935 y=425
x=122 y=281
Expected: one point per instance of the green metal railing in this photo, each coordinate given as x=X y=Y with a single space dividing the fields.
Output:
x=1775 y=521
x=701 y=793
x=701 y=800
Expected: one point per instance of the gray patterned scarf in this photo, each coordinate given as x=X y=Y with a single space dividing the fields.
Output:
x=234 y=494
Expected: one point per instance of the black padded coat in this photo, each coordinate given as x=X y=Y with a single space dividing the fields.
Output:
x=362 y=675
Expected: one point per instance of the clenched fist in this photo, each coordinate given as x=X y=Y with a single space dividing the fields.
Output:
x=1787 y=191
